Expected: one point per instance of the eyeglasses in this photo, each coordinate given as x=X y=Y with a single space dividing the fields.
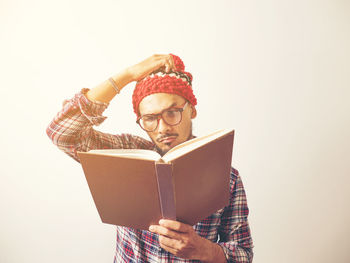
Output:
x=171 y=116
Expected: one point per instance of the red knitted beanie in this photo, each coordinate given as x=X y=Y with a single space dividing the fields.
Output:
x=178 y=82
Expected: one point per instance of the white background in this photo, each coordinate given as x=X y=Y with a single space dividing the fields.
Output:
x=275 y=71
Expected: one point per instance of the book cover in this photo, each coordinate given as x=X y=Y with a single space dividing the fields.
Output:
x=136 y=188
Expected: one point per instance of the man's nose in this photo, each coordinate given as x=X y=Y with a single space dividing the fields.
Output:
x=163 y=126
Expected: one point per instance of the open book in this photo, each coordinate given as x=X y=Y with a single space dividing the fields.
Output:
x=136 y=188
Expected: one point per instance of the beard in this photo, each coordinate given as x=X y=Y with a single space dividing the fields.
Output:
x=162 y=152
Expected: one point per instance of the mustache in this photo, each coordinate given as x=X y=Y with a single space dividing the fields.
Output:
x=166 y=135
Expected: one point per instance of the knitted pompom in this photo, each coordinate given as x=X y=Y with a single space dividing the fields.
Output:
x=179 y=65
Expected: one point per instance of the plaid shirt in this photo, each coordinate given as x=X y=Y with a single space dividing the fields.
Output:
x=72 y=130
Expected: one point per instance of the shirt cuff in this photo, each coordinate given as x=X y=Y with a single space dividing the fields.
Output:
x=91 y=110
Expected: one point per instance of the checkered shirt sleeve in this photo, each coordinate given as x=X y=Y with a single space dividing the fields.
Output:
x=234 y=231
x=72 y=130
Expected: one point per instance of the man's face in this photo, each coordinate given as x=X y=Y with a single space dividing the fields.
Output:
x=165 y=136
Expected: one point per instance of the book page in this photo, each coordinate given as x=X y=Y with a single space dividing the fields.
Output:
x=192 y=144
x=129 y=153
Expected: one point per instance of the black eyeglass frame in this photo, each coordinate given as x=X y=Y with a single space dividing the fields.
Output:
x=160 y=116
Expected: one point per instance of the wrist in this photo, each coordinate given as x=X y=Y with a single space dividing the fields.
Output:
x=123 y=78
x=212 y=252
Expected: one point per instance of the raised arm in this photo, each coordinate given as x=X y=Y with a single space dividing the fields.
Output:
x=72 y=128
x=105 y=91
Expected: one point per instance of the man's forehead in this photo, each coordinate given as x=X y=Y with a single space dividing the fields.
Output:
x=155 y=103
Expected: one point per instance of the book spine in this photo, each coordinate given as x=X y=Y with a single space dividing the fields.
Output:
x=166 y=190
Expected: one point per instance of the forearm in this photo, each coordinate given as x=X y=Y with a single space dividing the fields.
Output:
x=105 y=91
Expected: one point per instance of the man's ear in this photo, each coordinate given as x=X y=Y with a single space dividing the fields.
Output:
x=194 y=112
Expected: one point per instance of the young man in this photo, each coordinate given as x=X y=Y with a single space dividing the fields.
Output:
x=164 y=103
